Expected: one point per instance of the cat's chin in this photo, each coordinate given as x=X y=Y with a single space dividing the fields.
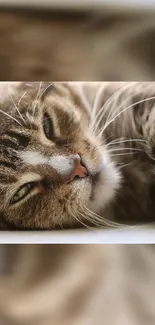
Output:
x=104 y=187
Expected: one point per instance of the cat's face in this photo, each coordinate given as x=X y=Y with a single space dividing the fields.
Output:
x=52 y=168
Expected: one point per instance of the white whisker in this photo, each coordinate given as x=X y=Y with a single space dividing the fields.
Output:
x=15 y=105
x=125 y=109
x=11 y=117
x=125 y=165
x=20 y=99
x=104 y=108
x=103 y=221
x=45 y=90
x=123 y=149
x=76 y=217
x=122 y=154
x=124 y=141
x=36 y=99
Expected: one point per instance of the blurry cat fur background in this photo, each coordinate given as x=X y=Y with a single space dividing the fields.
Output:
x=113 y=43
x=77 y=285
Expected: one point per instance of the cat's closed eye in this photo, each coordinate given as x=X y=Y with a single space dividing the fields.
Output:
x=22 y=192
x=48 y=126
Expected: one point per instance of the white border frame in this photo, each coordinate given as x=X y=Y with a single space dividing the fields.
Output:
x=131 y=236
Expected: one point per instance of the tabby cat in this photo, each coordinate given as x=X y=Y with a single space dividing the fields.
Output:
x=76 y=154
x=77 y=285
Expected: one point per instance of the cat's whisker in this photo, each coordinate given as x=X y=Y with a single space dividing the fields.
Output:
x=104 y=108
x=36 y=99
x=99 y=133
x=76 y=216
x=85 y=214
x=124 y=141
x=125 y=109
x=122 y=154
x=96 y=223
x=117 y=108
x=121 y=139
x=106 y=139
x=100 y=221
x=11 y=117
x=20 y=99
x=30 y=115
x=123 y=149
x=17 y=109
x=112 y=112
x=45 y=90
x=83 y=97
x=130 y=95
x=39 y=89
x=98 y=130
x=110 y=223
x=96 y=216
x=96 y=102
x=124 y=165
x=30 y=118
x=150 y=156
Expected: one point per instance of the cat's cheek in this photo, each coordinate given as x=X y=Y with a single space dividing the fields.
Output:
x=105 y=190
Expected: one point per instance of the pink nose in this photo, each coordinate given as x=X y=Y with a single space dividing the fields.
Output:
x=78 y=170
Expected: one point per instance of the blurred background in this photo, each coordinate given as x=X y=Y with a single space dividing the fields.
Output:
x=77 y=284
x=77 y=40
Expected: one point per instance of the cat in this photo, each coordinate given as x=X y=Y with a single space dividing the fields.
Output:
x=109 y=43
x=76 y=154
x=77 y=284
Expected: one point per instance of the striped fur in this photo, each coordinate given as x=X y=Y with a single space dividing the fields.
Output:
x=119 y=174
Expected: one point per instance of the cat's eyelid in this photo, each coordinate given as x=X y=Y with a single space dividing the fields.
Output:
x=55 y=122
x=32 y=190
x=28 y=178
x=23 y=180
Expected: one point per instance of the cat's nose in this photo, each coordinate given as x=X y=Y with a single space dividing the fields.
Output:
x=78 y=170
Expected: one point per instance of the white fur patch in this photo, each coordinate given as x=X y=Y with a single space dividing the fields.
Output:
x=63 y=164
x=32 y=158
x=109 y=183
